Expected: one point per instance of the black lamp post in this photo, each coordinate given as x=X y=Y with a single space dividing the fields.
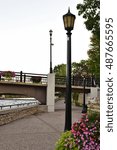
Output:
x=51 y=44
x=84 y=109
x=68 y=20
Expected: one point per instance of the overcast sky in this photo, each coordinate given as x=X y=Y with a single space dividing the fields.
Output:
x=24 y=34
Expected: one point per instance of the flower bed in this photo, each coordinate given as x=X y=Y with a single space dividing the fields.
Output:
x=7 y=74
x=84 y=134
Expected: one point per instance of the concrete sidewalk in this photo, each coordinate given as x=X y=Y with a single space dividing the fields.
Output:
x=36 y=132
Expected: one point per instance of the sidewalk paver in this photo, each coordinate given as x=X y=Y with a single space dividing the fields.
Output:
x=36 y=132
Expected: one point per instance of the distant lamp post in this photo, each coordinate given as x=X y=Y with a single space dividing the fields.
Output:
x=84 y=109
x=51 y=44
x=68 y=20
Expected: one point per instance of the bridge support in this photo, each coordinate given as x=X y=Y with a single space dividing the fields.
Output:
x=94 y=95
x=51 y=92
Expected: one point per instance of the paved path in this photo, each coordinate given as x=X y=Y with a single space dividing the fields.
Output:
x=36 y=132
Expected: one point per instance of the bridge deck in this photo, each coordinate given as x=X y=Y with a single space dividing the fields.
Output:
x=57 y=87
x=38 y=91
x=74 y=88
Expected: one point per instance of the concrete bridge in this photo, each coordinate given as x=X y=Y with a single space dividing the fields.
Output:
x=45 y=93
x=25 y=89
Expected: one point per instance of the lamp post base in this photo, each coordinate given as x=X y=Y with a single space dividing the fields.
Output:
x=84 y=110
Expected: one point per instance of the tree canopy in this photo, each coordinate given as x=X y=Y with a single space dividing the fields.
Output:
x=60 y=70
x=94 y=56
x=90 y=10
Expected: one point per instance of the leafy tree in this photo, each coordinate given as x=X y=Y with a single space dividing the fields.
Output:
x=79 y=68
x=90 y=10
x=94 y=56
x=60 y=70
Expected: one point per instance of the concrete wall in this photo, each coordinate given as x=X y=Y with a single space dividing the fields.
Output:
x=94 y=96
x=7 y=116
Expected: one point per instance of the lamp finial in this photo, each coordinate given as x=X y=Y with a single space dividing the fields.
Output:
x=68 y=9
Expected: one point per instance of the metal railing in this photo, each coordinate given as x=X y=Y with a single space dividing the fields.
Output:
x=78 y=81
x=27 y=78
x=59 y=80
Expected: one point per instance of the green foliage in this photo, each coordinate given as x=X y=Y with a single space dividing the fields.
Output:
x=66 y=142
x=60 y=70
x=94 y=56
x=92 y=65
x=78 y=68
x=92 y=116
x=35 y=79
x=90 y=10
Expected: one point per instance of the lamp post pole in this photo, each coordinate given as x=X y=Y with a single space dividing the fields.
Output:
x=51 y=50
x=68 y=20
x=84 y=109
x=68 y=117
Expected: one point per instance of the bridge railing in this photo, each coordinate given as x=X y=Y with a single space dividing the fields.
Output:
x=78 y=81
x=60 y=80
x=27 y=78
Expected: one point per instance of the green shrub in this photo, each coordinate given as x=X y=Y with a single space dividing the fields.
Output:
x=35 y=79
x=66 y=142
x=93 y=115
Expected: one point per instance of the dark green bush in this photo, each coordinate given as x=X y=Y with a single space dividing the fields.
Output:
x=93 y=115
x=35 y=79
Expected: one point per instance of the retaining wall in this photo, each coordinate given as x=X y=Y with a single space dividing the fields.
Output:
x=7 y=116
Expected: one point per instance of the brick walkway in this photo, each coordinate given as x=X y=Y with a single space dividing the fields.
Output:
x=36 y=132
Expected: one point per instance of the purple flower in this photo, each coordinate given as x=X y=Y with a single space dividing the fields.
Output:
x=8 y=74
x=86 y=133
